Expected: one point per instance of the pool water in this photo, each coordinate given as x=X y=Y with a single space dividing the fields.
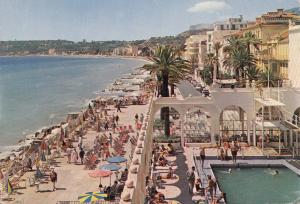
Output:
x=259 y=185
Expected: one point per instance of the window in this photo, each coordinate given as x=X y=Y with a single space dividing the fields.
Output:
x=233 y=27
x=222 y=27
x=209 y=38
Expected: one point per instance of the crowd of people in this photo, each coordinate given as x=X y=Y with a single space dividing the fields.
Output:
x=209 y=191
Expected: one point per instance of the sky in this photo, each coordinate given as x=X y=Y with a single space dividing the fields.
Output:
x=119 y=19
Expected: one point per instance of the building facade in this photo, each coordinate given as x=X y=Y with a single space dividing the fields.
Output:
x=271 y=28
x=294 y=56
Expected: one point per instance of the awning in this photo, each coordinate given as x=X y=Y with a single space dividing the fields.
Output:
x=272 y=125
x=269 y=102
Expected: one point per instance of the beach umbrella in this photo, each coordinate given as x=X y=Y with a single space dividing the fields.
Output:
x=110 y=167
x=116 y=159
x=90 y=197
x=98 y=173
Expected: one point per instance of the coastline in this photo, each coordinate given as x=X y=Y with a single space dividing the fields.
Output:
x=146 y=59
x=14 y=147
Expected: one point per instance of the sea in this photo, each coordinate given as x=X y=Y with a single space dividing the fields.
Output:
x=39 y=91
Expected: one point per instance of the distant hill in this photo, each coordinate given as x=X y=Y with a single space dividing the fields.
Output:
x=295 y=10
x=36 y=47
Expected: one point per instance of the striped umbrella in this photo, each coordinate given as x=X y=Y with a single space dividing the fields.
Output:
x=91 y=197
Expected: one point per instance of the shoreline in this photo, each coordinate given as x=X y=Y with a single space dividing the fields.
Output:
x=14 y=146
x=146 y=59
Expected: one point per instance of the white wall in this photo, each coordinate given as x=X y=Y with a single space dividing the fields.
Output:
x=294 y=56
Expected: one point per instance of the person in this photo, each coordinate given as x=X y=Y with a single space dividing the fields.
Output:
x=81 y=155
x=234 y=150
x=119 y=107
x=114 y=126
x=136 y=118
x=124 y=175
x=210 y=187
x=222 y=154
x=69 y=154
x=202 y=156
x=53 y=178
x=171 y=150
x=110 y=139
x=219 y=198
x=29 y=164
x=191 y=179
x=114 y=187
x=198 y=185
x=142 y=118
x=74 y=156
x=80 y=141
x=170 y=173
x=117 y=119
x=106 y=125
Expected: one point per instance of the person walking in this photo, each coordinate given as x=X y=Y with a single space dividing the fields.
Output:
x=74 y=156
x=191 y=179
x=234 y=150
x=119 y=107
x=136 y=118
x=117 y=119
x=69 y=154
x=202 y=157
x=210 y=187
x=81 y=155
x=110 y=139
x=106 y=126
x=53 y=178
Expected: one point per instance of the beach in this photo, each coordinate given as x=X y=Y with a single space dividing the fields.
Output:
x=48 y=148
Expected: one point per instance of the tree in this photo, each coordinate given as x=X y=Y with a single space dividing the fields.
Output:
x=217 y=46
x=168 y=66
x=210 y=61
x=253 y=74
x=238 y=57
x=250 y=39
x=268 y=76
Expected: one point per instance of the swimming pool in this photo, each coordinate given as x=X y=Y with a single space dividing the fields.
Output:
x=259 y=185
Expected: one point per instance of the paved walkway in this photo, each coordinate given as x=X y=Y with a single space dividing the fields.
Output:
x=186 y=89
x=184 y=197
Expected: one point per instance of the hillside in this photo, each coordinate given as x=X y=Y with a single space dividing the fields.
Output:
x=34 y=47
x=295 y=10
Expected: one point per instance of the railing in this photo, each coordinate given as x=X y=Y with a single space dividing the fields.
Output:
x=95 y=202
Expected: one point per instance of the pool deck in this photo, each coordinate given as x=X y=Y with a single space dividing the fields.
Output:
x=253 y=158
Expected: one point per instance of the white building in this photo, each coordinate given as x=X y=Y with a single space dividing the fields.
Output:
x=231 y=24
x=294 y=53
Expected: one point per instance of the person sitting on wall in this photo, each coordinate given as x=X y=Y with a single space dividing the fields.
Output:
x=170 y=149
x=162 y=160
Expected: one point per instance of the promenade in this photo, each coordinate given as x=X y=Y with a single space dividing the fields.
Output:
x=73 y=180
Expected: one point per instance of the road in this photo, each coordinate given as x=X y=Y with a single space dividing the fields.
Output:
x=187 y=89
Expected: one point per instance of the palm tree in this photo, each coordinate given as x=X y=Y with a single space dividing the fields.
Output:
x=170 y=68
x=217 y=46
x=253 y=73
x=239 y=59
x=210 y=61
x=250 y=39
x=268 y=76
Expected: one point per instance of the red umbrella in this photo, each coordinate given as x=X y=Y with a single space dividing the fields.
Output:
x=98 y=173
